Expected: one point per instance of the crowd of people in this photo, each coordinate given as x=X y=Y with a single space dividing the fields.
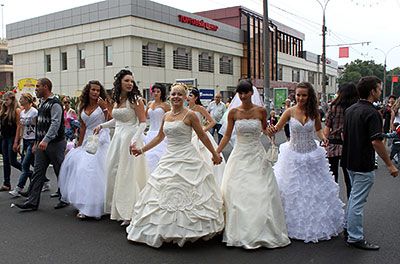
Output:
x=172 y=184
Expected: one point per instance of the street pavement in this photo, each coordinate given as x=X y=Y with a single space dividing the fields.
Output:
x=57 y=236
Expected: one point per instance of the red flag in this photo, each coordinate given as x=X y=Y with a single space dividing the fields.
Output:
x=395 y=79
x=343 y=52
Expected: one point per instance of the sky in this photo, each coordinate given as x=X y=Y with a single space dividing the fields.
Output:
x=347 y=21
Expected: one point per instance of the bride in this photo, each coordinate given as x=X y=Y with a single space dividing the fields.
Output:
x=254 y=213
x=181 y=200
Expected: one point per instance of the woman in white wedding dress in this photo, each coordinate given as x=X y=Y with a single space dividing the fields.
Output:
x=309 y=193
x=181 y=201
x=82 y=178
x=254 y=213
x=126 y=175
x=155 y=112
x=195 y=105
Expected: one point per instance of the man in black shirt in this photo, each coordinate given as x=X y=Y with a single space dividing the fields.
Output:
x=362 y=137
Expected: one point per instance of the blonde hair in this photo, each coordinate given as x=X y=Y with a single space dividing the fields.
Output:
x=28 y=97
x=11 y=114
x=181 y=87
x=396 y=106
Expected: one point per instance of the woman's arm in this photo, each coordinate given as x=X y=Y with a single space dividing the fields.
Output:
x=141 y=114
x=211 y=122
x=271 y=130
x=392 y=115
x=82 y=132
x=228 y=132
x=319 y=132
x=195 y=123
x=18 y=132
x=154 y=142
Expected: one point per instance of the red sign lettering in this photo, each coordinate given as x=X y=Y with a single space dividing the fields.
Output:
x=197 y=23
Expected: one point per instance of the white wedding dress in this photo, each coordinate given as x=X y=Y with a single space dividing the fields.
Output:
x=82 y=178
x=254 y=213
x=218 y=170
x=153 y=156
x=309 y=193
x=126 y=174
x=181 y=201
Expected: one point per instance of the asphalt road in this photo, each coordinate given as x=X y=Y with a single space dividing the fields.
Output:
x=57 y=236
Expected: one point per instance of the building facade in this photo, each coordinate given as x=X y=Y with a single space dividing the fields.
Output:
x=158 y=43
x=6 y=67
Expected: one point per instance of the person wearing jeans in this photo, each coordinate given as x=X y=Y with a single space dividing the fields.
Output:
x=9 y=126
x=362 y=133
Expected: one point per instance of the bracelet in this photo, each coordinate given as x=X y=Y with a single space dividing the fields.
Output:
x=104 y=110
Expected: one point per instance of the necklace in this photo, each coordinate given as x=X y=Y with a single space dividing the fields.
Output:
x=175 y=114
x=192 y=107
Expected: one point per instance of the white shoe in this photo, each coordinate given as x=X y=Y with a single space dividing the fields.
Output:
x=16 y=191
x=46 y=187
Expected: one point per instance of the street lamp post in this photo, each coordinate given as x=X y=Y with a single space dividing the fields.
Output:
x=2 y=21
x=323 y=56
x=266 y=55
x=384 y=69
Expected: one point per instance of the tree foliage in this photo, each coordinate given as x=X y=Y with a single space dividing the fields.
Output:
x=354 y=70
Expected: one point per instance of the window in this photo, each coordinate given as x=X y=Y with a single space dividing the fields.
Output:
x=82 y=59
x=311 y=77
x=109 y=59
x=153 y=55
x=64 y=65
x=280 y=72
x=48 y=63
x=226 y=65
x=206 y=62
x=182 y=59
x=295 y=75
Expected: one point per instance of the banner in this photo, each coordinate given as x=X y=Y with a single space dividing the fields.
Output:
x=343 y=52
x=27 y=85
x=280 y=96
x=395 y=79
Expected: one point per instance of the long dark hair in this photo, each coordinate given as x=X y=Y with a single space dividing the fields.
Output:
x=84 y=98
x=196 y=93
x=347 y=95
x=132 y=96
x=312 y=102
x=162 y=89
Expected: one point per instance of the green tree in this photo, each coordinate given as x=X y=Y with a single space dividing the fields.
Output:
x=354 y=70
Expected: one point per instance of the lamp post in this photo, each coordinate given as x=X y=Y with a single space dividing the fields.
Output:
x=266 y=54
x=323 y=56
x=384 y=69
x=2 y=21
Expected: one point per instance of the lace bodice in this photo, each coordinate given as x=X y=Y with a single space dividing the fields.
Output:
x=125 y=115
x=302 y=136
x=178 y=133
x=156 y=117
x=248 y=131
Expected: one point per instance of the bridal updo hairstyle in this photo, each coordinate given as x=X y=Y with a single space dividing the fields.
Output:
x=162 y=89
x=195 y=92
x=132 y=96
x=244 y=86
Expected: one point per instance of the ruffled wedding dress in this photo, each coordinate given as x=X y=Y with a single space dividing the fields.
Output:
x=82 y=178
x=309 y=193
x=181 y=201
x=153 y=156
x=126 y=174
x=254 y=213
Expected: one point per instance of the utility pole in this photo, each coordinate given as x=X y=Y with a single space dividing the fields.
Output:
x=266 y=55
x=2 y=21
x=323 y=57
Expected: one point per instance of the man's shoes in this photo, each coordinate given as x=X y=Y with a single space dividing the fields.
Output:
x=363 y=244
x=46 y=187
x=24 y=194
x=54 y=195
x=60 y=205
x=27 y=207
x=5 y=188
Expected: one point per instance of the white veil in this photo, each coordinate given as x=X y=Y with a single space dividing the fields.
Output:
x=236 y=102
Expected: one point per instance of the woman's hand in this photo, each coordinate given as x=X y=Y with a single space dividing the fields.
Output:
x=217 y=159
x=97 y=130
x=324 y=142
x=102 y=103
x=134 y=150
x=271 y=130
x=15 y=147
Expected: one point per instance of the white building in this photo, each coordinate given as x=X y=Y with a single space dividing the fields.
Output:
x=158 y=43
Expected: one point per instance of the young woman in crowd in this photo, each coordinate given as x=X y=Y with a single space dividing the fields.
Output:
x=254 y=213
x=309 y=193
x=155 y=112
x=126 y=175
x=347 y=95
x=195 y=105
x=9 y=118
x=181 y=201
x=27 y=120
x=82 y=178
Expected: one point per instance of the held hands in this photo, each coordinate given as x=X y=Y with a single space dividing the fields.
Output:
x=97 y=130
x=271 y=130
x=134 y=150
x=324 y=142
x=217 y=159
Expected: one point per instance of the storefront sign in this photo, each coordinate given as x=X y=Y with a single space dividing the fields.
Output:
x=197 y=23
